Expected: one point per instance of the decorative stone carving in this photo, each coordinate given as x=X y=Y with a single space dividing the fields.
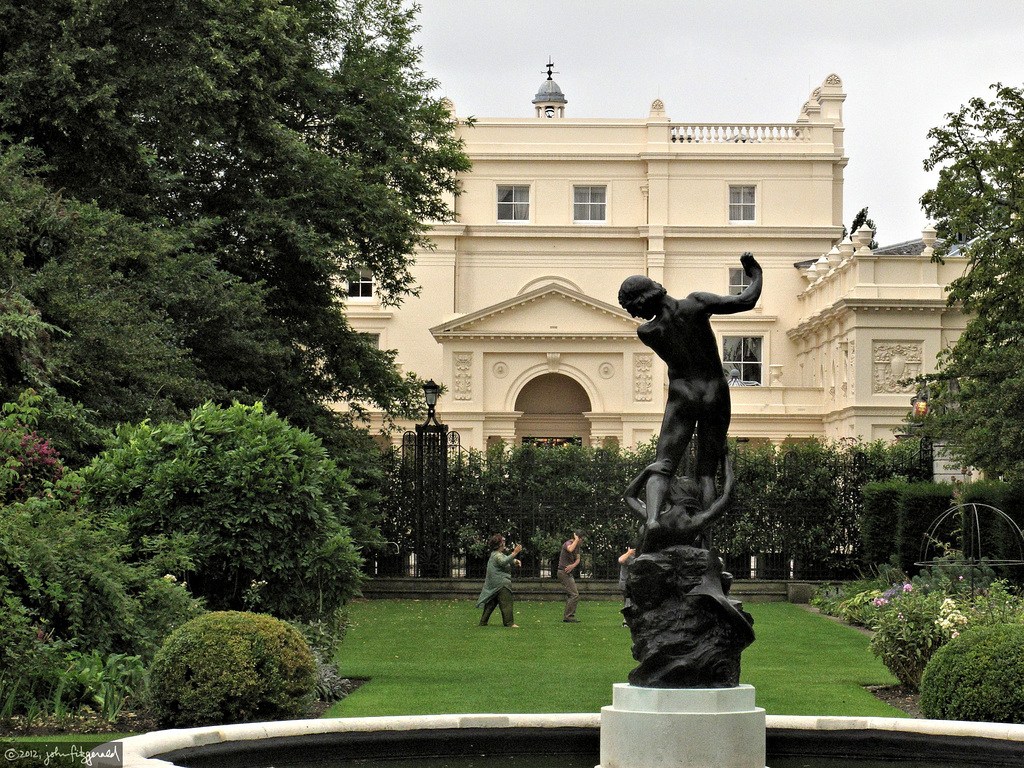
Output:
x=463 y=387
x=642 y=377
x=606 y=370
x=554 y=360
x=893 y=362
x=853 y=368
x=833 y=79
x=500 y=369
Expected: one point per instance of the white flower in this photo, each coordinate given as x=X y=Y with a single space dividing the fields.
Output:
x=950 y=616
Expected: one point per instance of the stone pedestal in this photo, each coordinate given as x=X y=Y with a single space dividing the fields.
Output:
x=682 y=728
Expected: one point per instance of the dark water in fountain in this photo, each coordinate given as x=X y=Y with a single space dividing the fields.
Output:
x=589 y=761
x=579 y=748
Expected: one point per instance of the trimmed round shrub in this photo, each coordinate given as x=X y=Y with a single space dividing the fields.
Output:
x=977 y=676
x=232 y=667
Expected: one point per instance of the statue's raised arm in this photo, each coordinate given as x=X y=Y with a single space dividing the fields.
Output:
x=741 y=302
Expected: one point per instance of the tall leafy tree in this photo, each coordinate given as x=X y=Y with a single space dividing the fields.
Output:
x=109 y=313
x=283 y=145
x=978 y=201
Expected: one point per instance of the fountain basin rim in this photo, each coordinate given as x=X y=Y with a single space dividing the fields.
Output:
x=140 y=751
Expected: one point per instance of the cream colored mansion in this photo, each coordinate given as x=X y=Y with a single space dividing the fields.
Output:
x=518 y=316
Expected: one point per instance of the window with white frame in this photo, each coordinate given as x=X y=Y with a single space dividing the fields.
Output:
x=738 y=281
x=741 y=203
x=589 y=203
x=513 y=202
x=362 y=286
x=742 y=359
x=373 y=339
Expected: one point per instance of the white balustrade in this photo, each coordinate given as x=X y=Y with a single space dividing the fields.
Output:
x=739 y=133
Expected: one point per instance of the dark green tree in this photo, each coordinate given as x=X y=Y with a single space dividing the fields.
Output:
x=293 y=143
x=977 y=201
x=111 y=319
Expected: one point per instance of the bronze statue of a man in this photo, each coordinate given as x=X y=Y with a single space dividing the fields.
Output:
x=679 y=330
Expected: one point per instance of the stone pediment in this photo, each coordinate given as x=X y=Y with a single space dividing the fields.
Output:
x=549 y=311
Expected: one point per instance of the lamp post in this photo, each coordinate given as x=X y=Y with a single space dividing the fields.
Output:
x=919 y=409
x=430 y=394
x=430 y=442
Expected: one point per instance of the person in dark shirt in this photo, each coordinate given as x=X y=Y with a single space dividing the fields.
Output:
x=568 y=562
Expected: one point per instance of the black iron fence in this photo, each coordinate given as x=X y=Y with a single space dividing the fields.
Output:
x=795 y=513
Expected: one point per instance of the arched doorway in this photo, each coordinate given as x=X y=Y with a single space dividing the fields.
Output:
x=553 y=406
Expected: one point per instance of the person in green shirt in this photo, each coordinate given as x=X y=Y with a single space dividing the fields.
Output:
x=497 y=589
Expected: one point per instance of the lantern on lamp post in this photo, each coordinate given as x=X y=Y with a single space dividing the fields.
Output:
x=919 y=410
x=430 y=394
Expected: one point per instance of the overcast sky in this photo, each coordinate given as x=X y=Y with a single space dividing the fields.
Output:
x=904 y=65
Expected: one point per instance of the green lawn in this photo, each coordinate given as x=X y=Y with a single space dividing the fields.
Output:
x=430 y=657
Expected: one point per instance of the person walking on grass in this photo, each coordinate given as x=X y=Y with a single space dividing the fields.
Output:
x=497 y=590
x=568 y=562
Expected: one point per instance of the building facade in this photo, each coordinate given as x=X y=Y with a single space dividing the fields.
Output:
x=517 y=314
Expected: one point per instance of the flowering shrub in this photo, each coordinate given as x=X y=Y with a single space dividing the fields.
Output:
x=858 y=602
x=29 y=464
x=999 y=603
x=913 y=622
x=35 y=466
x=907 y=632
x=860 y=608
x=472 y=542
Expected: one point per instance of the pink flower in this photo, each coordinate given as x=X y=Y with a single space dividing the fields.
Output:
x=908 y=587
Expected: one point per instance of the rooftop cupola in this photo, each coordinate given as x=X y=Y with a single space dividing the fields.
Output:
x=550 y=101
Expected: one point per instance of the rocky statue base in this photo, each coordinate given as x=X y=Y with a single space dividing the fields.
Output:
x=687 y=632
x=682 y=728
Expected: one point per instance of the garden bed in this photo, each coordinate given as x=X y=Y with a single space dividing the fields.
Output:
x=141 y=720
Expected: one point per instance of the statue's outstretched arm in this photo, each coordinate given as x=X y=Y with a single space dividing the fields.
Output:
x=727 y=305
